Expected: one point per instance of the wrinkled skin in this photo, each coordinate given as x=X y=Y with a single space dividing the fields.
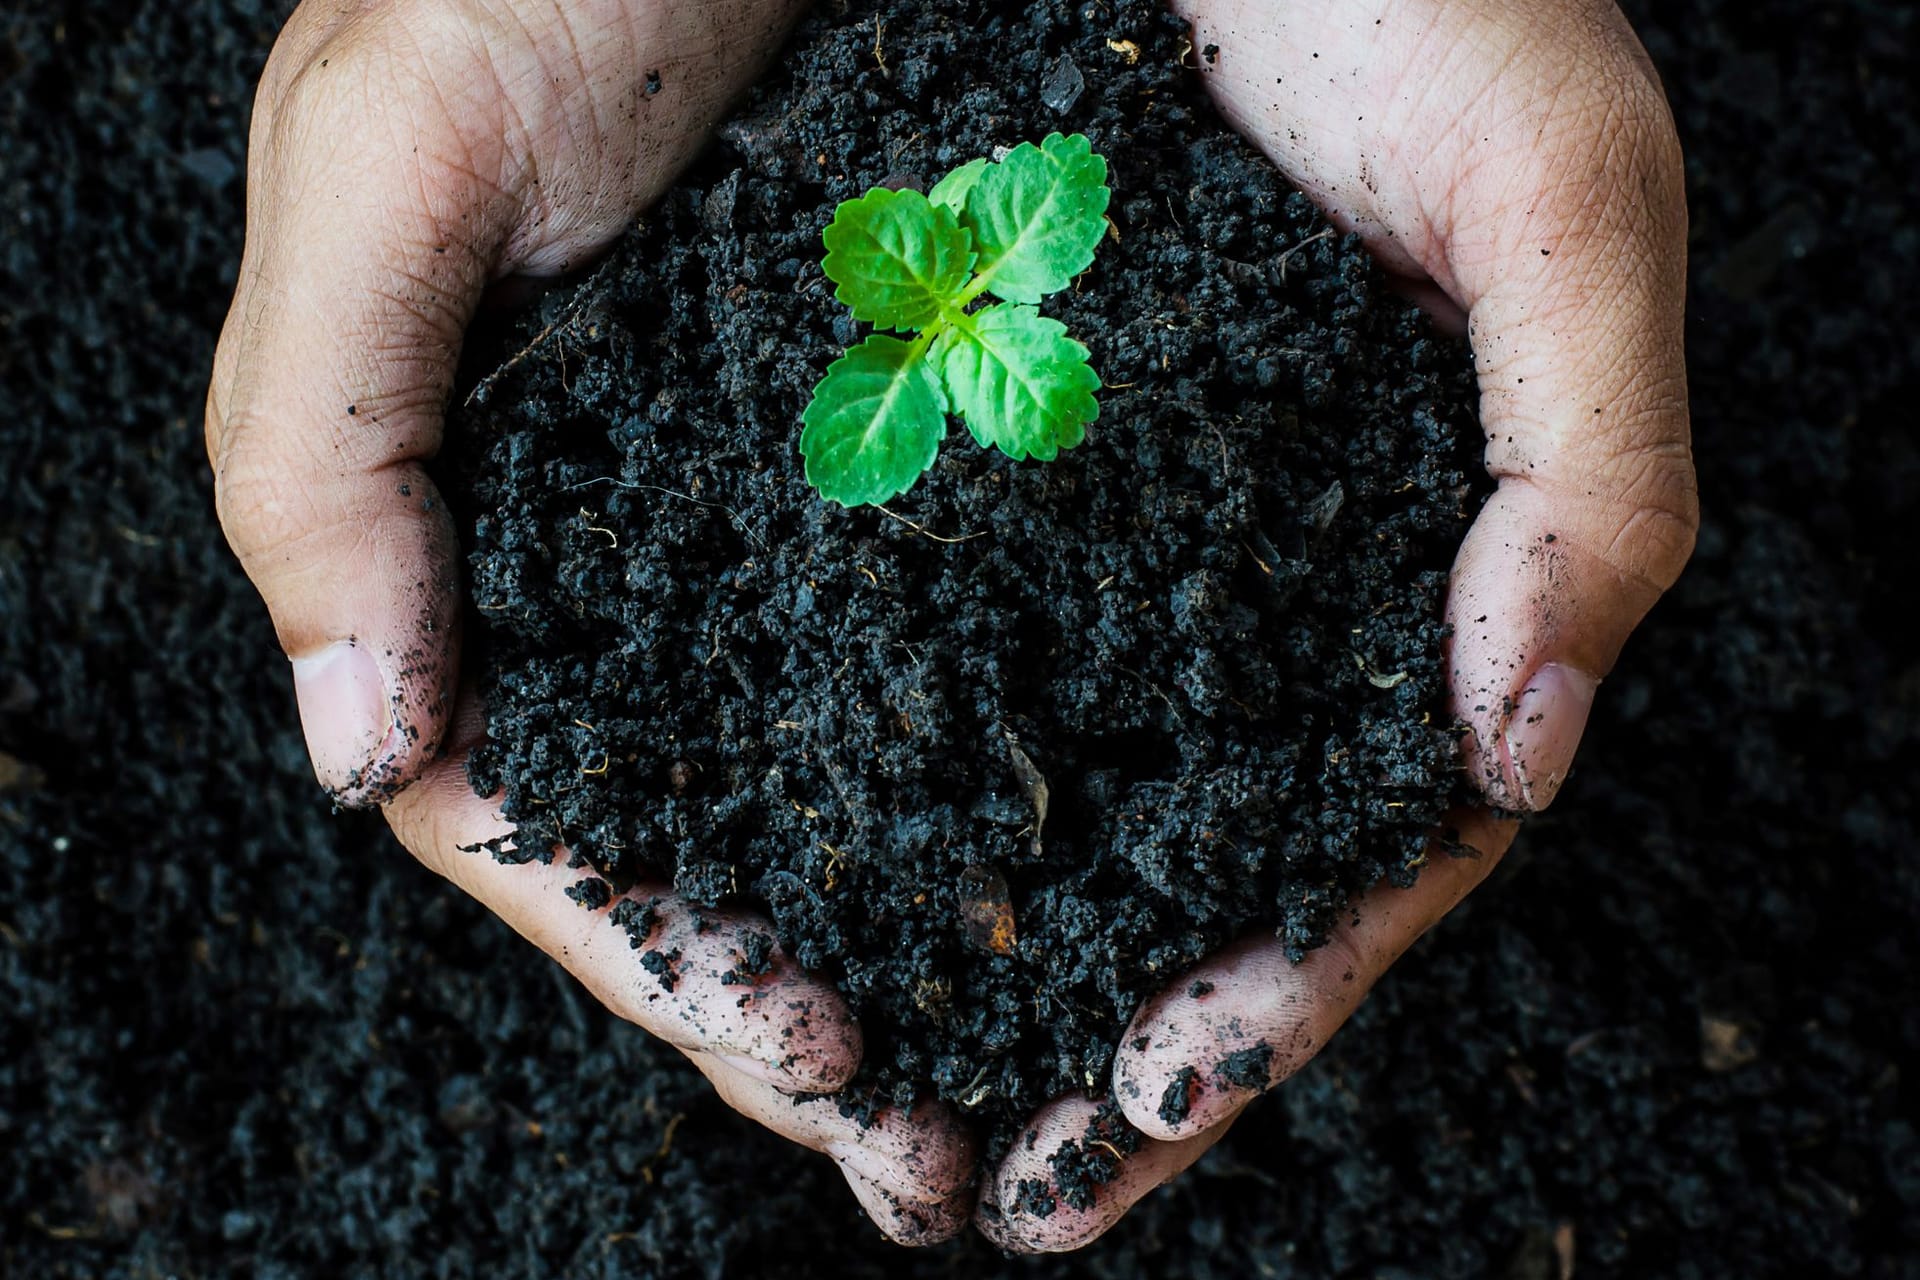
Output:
x=1511 y=160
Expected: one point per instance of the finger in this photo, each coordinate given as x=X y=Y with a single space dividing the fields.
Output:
x=1056 y=1192
x=1248 y=1017
x=363 y=262
x=707 y=989
x=911 y=1170
x=1539 y=185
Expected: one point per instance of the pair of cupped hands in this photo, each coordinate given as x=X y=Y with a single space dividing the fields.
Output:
x=1511 y=162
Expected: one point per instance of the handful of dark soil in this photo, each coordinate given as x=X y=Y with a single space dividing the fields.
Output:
x=1006 y=757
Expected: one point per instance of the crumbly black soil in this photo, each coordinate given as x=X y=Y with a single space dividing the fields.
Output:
x=245 y=1038
x=1183 y=682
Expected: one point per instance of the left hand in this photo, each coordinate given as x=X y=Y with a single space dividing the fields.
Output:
x=405 y=156
x=1514 y=162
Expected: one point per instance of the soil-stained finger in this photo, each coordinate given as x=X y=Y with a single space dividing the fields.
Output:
x=913 y=1172
x=1248 y=1017
x=1047 y=1196
x=714 y=981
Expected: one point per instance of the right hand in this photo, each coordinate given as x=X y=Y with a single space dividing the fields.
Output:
x=404 y=156
x=1515 y=163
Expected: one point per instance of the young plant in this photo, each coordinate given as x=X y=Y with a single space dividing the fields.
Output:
x=1019 y=229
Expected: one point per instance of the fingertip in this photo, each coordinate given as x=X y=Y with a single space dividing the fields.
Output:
x=1198 y=1052
x=820 y=1041
x=1180 y=1089
x=360 y=573
x=783 y=1027
x=1190 y=1101
x=912 y=1169
x=804 y=1042
x=911 y=1223
x=1544 y=730
x=1063 y=1185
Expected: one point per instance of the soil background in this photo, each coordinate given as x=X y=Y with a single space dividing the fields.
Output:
x=239 y=1036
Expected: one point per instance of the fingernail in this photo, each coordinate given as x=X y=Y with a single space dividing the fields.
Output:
x=345 y=713
x=1544 y=731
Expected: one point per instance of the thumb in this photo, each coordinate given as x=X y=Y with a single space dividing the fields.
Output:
x=403 y=156
x=361 y=271
x=1521 y=159
x=329 y=386
x=1575 y=294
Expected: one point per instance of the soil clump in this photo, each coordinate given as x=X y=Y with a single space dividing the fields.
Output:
x=1006 y=756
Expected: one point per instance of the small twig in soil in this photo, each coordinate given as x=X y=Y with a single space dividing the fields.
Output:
x=40 y=1224
x=666 y=1145
x=1158 y=692
x=485 y=384
x=1315 y=238
x=925 y=532
x=973 y=1095
x=675 y=493
x=893 y=157
x=613 y=539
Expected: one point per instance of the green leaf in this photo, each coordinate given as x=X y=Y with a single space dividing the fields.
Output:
x=1037 y=217
x=951 y=191
x=874 y=424
x=1020 y=382
x=897 y=257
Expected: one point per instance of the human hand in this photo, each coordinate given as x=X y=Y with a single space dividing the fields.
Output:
x=1515 y=164
x=405 y=156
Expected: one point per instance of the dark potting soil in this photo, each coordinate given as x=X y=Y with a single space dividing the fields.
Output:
x=1006 y=756
x=240 y=1036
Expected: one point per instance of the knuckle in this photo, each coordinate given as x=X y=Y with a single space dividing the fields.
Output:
x=423 y=67
x=292 y=83
x=272 y=515
x=1654 y=544
x=1644 y=500
x=1655 y=508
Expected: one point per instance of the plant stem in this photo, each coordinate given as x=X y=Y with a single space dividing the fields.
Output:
x=950 y=317
x=974 y=290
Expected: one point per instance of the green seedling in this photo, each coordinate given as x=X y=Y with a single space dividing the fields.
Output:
x=1019 y=229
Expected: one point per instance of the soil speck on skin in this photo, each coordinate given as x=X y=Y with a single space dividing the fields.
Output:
x=661 y=965
x=1176 y=1103
x=593 y=893
x=1250 y=1068
x=756 y=959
